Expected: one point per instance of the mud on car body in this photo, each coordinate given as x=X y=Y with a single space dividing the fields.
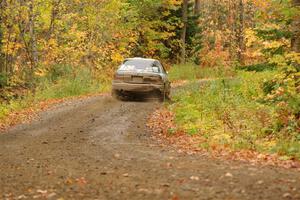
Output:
x=140 y=75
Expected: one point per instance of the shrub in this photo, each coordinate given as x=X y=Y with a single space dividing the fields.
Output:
x=260 y=67
x=58 y=71
x=230 y=113
x=63 y=81
x=3 y=80
x=79 y=82
x=193 y=72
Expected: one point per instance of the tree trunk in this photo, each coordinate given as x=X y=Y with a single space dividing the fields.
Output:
x=184 y=29
x=232 y=26
x=240 y=34
x=2 y=67
x=33 y=44
x=296 y=29
x=197 y=9
x=1 y=54
x=54 y=13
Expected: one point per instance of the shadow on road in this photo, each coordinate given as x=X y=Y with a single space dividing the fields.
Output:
x=142 y=97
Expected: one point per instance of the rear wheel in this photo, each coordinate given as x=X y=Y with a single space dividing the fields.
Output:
x=164 y=96
x=117 y=95
x=167 y=97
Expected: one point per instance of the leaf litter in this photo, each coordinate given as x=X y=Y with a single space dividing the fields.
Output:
x=164 y=130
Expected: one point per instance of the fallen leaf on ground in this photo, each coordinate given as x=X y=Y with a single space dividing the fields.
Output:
x=165 y=131
x=196 y=178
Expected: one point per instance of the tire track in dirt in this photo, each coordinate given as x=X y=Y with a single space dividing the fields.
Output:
x=100 y=148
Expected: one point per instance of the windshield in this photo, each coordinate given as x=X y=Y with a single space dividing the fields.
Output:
x=139 y=66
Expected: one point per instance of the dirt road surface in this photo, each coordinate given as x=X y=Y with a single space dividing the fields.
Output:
x=99 y=148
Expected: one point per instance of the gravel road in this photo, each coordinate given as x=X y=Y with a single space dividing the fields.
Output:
x=100 y=148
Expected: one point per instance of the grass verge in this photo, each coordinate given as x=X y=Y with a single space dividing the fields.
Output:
x=229 y=113
x=194 y=72
x=51 y=88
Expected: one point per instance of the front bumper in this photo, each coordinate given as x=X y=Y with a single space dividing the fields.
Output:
x=135 y=87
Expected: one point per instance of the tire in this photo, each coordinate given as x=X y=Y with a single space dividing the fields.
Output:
x=116 y=94
x=168 y=98
x=164 y=96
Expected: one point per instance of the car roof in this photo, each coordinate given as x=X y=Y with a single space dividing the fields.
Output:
x=140 y=59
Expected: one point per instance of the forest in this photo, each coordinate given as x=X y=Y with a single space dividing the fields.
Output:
x=54 y=49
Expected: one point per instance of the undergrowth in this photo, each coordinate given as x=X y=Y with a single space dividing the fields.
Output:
x=194 y=72
x=61 y=82
x=231 y=113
